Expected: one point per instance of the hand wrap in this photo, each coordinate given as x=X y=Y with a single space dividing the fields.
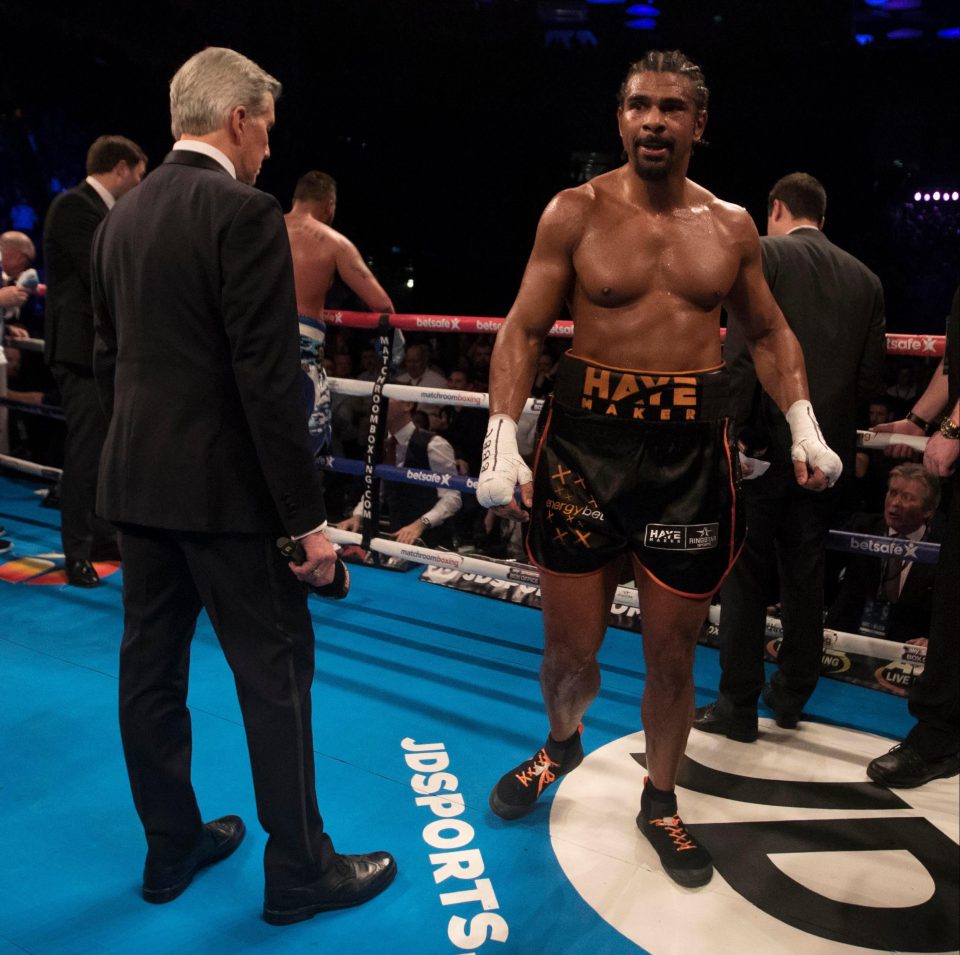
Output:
x=808 y=444
x=502 y=467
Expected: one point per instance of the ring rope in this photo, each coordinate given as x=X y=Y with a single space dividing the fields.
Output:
x=918 y=346
x=626 y=596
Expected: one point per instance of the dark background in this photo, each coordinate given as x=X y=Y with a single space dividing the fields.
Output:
x=449 y=124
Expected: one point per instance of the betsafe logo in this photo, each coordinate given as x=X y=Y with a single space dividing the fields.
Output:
x=810 y=856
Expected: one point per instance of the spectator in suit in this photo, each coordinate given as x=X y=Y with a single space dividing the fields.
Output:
x=415 y=513
x=205 y=464
x=417 y=370
x=114 y=166
x=894 y=594
x=834 y=305
x=930 y=749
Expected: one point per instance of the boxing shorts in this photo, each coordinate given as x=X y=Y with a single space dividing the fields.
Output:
x=313 y=334
x=641 y=463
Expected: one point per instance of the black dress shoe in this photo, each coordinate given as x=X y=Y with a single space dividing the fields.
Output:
x=904 y=768
x=81 y=573
x=219 y=839
x=741 y=727
x=785 y=719
x=351 y=880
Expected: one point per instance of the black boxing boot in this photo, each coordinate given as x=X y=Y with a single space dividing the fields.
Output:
x=682 y=857
x=517 y=792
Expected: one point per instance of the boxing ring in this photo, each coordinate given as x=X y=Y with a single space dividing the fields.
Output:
x=866 y=660
x=422 y=696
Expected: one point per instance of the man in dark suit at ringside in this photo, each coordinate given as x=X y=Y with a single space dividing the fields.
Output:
x=206 y=462
x=892 y=597
x=115 y=165
x=834 y=305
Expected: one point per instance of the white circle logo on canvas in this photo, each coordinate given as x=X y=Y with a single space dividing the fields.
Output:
x=810 y=856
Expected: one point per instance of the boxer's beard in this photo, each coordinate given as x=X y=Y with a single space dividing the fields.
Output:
x=653 y=171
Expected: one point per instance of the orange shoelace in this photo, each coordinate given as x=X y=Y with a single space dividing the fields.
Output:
x=680 y=836
x=539 y=769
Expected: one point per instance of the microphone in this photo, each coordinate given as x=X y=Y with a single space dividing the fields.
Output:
x=28 y=279
x=337 y=589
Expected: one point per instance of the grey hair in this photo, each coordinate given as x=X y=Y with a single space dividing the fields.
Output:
x=210 y=84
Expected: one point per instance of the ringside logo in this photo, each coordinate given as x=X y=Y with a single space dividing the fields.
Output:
x=898 y=676
x=450 y=834
x=810 y=856
x=482 y=325
x=441 y=558
x=893 y=547
x=524 y=575
x=430 y=321
x=429 y=477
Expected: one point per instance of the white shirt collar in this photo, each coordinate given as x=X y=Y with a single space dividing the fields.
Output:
x=797 y=228
x=198 y=146
x=404 y=435
x=916 y=535
x=102 y=191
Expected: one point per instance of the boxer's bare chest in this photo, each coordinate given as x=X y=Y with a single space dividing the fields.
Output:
x=626 y=258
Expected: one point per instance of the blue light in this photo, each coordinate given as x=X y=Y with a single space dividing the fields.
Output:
x=644 y=23
x=908 y=33
x=950 y=33
x=864 y=39
x=875 y=3
x=642 y=10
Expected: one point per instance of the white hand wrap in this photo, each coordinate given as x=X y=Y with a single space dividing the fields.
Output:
x=502 y=468
x=808 y=444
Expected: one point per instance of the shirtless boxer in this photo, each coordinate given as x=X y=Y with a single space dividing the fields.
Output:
x=633 y=455
x=319 y=254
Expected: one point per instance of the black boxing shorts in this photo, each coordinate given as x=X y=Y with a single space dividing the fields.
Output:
x=637 y=462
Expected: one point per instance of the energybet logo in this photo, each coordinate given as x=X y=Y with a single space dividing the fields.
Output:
x=809 y=855
x=572 y=511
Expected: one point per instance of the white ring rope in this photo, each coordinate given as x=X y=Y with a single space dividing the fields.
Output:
x=626 y=596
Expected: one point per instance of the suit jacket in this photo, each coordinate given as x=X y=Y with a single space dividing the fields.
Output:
x=68 y=231
x=834 y=305
x=197 y=358
x=910 y=615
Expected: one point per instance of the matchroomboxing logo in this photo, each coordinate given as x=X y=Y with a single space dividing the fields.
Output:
x=810 y=855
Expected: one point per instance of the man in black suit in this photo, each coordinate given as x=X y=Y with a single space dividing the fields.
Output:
x=931 y=750
x=834 y=305
x=892 y=595
x=114 y=166
x=206 y=462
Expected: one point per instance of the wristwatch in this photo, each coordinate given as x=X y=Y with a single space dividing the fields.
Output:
x=426 y=522
x=950 y=429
